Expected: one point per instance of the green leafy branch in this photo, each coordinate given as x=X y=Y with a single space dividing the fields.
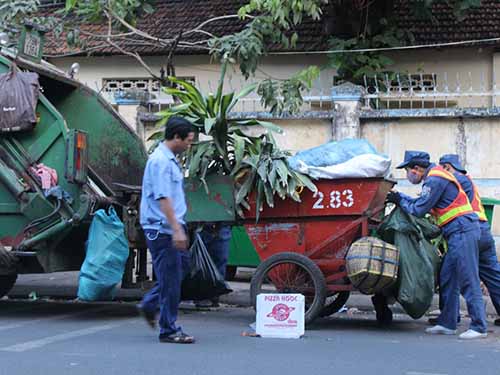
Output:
x=375 y=26
x=286 y=96
x=13 y=14
x=94 y=10
x=353 y=67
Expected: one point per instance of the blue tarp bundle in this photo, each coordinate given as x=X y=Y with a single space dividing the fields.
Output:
x=332 y=153
x=107 y=253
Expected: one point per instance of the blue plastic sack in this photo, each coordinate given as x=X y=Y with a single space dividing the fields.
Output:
x=107 y=253
x=332 y=153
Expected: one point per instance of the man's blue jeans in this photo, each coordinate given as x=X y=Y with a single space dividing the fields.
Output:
x=460 y=272
x=170 y=266
x=489 y=268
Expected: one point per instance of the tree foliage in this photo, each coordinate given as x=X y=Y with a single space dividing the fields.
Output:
x=94 y=10
x=272 y=22
x=373 y=25
x=13 y=14
x=356 y=24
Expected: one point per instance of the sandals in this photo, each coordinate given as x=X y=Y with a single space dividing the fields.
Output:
x=177 y=338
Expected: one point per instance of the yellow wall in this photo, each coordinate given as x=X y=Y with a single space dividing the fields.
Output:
x=95 y=68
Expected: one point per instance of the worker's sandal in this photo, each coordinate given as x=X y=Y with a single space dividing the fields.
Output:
x=177 y=338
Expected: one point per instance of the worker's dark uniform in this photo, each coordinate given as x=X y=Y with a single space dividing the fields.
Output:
x=443 y=197
x=489 y=267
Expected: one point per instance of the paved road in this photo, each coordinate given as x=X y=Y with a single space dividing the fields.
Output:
x=38 y=337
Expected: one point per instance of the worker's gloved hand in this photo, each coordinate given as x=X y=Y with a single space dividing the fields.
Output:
x=393 y=197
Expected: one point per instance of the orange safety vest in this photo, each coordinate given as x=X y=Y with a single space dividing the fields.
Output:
x=476 y=203
x=459 y=207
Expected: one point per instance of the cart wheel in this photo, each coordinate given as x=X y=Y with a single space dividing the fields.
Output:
x=334 y=303
x=291 y=273
x=6 y=283
x=231 y=272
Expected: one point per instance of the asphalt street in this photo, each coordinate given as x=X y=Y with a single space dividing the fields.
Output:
x=65 y=337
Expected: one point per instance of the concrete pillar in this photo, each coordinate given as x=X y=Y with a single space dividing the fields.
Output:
x=140 y=128
x=496 y=79
x=347 y=100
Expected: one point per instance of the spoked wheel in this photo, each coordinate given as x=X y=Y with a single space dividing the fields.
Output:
x=334 y=303
x=291 y=273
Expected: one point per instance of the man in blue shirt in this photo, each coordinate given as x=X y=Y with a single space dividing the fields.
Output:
x=489 y=268
x=443 y=197
x=162 y=210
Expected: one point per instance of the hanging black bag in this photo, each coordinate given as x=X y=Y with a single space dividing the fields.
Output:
x=18 y=98
x=203 y=281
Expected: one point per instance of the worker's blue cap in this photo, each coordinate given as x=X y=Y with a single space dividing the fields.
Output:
x=414 y=157
x=454 y=161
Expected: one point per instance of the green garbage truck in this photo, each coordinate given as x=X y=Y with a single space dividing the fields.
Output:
x=78 y=156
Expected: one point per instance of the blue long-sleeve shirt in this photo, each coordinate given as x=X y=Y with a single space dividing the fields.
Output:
x=466 y=184
x=438 y=192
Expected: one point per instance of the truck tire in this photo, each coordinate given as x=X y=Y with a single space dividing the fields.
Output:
x=6 y=283
x=297 y=268
x=8 y=271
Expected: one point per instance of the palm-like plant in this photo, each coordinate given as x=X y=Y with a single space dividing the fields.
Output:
x=255 y=162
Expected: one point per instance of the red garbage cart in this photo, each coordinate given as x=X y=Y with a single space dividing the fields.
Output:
x=303 y=245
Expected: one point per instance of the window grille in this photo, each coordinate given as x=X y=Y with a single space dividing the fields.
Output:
x=140 y=84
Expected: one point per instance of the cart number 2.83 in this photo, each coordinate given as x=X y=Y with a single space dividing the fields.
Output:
x=337 y=199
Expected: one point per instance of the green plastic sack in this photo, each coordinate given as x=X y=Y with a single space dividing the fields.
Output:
x=107 y=254
x=418 y=261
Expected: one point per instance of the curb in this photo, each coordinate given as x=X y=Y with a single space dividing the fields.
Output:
x=66 y=289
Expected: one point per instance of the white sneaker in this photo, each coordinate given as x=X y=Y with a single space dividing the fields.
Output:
x=440 y=330
x=470 y=334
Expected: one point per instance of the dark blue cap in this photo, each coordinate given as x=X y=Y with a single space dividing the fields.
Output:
x=454 y=161
x=415 y=157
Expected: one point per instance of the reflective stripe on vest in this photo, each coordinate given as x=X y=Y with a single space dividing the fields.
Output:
x=459 y=207
x=476 y=203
